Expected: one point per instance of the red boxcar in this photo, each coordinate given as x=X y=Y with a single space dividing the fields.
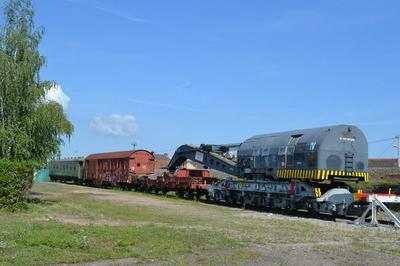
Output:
x=118 y=168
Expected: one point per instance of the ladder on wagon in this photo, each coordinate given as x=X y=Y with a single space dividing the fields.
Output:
x=375 y=201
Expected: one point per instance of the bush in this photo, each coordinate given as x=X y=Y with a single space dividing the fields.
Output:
x=15 y=182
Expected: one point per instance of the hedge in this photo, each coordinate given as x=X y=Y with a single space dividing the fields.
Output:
x=15 y=182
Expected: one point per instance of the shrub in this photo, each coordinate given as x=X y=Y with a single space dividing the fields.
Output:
x=15 y=181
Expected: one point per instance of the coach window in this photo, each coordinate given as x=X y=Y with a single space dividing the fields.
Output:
x=289 y=160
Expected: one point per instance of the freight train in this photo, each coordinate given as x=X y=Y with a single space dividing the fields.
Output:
x=130 y=170
x=308 y=169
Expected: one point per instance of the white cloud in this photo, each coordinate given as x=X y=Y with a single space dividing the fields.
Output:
x=115 y=125
x=122 y=15
x=166 y=105
x=56 y=94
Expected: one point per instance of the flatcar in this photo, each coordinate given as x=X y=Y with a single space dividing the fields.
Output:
x=189 y=183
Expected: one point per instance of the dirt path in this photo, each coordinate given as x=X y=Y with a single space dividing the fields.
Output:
x=119 y=197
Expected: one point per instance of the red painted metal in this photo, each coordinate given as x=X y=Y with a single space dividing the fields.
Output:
x=118 y=167
x=185 y=182
x=192 y=173
x=365 y=197
x=292 y=188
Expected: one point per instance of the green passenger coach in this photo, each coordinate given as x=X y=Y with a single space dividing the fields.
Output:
x=67 y=170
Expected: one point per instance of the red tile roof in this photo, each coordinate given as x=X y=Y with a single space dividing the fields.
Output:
x=162 y=160
x=382 y=163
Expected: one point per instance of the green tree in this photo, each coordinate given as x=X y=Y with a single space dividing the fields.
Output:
x=31 y=128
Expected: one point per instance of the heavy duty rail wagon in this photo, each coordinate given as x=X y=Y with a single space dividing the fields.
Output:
x=189 y=183
x=301 y=169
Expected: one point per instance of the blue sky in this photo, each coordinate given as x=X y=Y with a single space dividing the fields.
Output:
x=165 y=73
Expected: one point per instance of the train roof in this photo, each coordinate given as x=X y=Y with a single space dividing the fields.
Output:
x=316 y=132
x=76 y=159
x=114 y=155
x=307 y=135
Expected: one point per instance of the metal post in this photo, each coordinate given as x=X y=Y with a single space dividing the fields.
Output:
x=374 y=203
x=134 y=144
x=374 y=209
x=398 y=151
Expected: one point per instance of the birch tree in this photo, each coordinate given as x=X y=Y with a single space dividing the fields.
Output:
x=31 y=128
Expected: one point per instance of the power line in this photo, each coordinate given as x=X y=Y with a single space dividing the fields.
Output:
x=165 y=151
x=380 y=140
x=386 y=150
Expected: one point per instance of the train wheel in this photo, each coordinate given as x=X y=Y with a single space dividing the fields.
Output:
x=180 y=193
x=207 y=197
x=230 y=200
x=190 y=194
x=217 y=197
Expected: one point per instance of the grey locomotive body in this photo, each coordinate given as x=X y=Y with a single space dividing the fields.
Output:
x=339 y=151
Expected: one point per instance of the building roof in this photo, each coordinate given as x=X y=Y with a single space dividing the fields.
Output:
x=161 y=156
x=382 y=163
x=113 y=155
x=189 y=164
x=162 y=160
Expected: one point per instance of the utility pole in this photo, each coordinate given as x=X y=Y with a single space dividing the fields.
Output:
x=134 y=144
x=398 y=150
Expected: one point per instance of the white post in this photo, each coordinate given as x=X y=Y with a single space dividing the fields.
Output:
x=374 y=218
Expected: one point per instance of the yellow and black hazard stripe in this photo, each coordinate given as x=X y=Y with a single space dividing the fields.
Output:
x=317 y=192
x=319 y=174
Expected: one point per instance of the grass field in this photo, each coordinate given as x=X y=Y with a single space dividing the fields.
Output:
x=74 y=224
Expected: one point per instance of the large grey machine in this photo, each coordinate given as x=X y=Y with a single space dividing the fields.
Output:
x=300 y=169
